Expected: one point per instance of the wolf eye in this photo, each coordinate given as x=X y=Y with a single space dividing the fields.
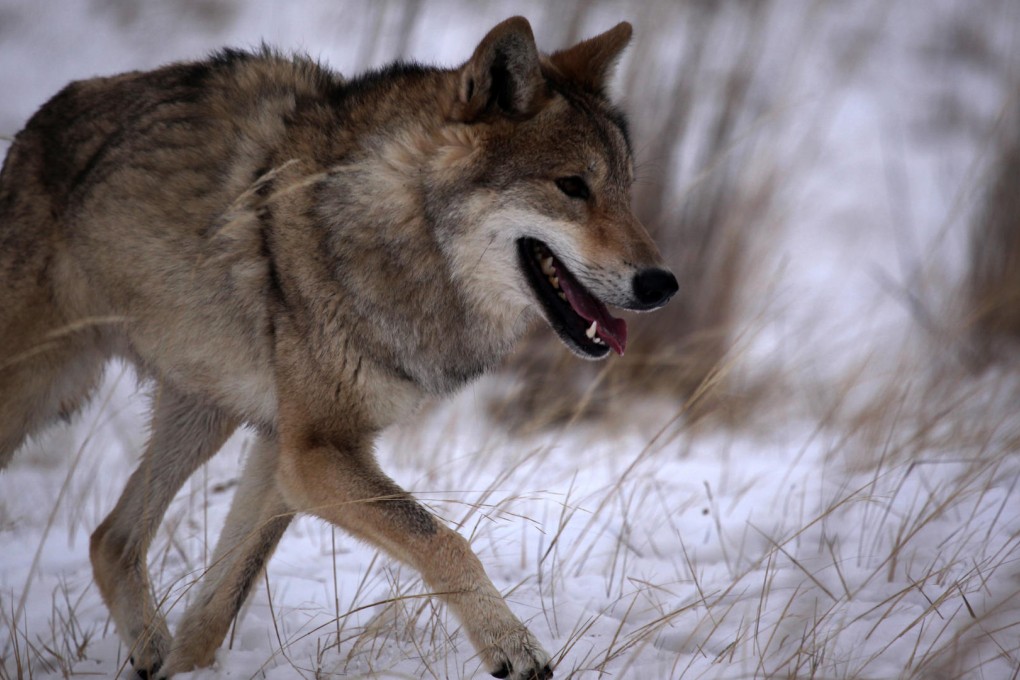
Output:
x=574 y=186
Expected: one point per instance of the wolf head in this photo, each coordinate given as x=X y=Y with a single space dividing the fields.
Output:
x=551 y=227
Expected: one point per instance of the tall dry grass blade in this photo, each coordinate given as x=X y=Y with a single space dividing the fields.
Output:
x=993 y=285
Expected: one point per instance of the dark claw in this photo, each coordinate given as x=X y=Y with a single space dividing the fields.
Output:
x=144 y=673
x=544 y=673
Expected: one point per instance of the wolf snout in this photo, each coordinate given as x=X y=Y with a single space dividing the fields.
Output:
x=654 y=287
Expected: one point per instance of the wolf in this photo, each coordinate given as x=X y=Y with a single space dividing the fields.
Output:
x=276 y=247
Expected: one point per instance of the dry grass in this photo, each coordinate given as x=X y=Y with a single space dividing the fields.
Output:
x=909 y=552
x=993 y=294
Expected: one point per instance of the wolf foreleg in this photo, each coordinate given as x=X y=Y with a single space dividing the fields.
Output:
x=344 y=485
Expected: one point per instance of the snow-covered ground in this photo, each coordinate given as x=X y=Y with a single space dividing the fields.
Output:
x=862 y=522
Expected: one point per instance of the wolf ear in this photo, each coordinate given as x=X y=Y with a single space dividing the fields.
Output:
x=503 y=75
x=590 y=63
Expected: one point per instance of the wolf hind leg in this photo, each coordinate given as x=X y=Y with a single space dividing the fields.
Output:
x=185 y=434
x=257 y=520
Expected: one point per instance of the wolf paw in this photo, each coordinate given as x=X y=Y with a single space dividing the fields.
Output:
x=147 y=669
x=518 y=656
x=149 y=651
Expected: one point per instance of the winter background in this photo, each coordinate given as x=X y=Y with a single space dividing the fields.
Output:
x=805 y=467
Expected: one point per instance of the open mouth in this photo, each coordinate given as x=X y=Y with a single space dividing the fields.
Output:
x=581 y=320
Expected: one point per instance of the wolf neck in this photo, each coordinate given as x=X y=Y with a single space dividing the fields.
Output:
x=386 y=277
x=397 y=287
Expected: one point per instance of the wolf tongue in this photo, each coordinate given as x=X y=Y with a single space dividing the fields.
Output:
x=613 y=331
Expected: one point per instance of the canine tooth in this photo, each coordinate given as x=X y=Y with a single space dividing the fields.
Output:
x=591 y=329
x=547 y=267
x=563 y=296
x=555 y=281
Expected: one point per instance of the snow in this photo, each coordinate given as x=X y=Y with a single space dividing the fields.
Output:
x=806 y=541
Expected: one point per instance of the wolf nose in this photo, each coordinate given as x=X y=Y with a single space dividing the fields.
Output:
x=654 y=287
